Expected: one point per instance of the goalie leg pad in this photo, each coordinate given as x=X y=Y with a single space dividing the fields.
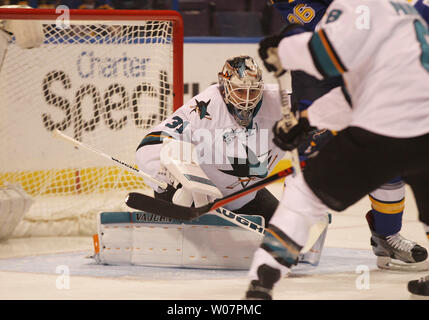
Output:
x=140 y=238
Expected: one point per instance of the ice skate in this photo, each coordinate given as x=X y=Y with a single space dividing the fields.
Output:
x=419 y=287
x=395 y=252
x=262 y=288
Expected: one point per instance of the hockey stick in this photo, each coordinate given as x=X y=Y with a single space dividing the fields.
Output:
x=167 y=209
x=284 y=81
x=58 y=134
x=221 y=212
x=170 y=210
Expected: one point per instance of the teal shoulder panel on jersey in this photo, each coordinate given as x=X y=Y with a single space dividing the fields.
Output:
x=324 y=56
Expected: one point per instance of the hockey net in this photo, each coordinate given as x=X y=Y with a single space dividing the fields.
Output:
x=103 y=78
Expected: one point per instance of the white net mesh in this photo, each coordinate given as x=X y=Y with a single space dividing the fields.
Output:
x=103 y=83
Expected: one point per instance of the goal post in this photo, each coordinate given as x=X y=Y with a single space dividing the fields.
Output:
x=103 y=77
x=173 y=17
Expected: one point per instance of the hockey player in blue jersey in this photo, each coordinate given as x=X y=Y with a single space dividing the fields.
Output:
x=304 y=12
x=387 y=202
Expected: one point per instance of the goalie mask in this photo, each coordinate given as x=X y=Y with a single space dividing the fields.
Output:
x=241 y=86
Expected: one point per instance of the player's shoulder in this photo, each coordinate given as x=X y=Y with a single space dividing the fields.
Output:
x=353 y=5
x=348 y=10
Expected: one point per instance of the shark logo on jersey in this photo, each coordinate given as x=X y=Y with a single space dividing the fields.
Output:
x=201 y=108
x=230 y=136
x=249 y=169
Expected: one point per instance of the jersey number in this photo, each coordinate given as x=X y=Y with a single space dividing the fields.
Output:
x=423 y=37
x=301 y=14
x=178 y=124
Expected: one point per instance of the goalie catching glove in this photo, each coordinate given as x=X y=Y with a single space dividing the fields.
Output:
x=179 y=162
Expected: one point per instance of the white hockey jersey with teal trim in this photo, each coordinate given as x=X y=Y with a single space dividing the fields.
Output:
x=381 y=48
x=232 y=157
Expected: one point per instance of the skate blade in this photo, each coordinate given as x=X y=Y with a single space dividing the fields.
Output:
x=387 y=263
x=418 y=297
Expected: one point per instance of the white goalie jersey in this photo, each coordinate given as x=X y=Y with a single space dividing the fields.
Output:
x=231 y=156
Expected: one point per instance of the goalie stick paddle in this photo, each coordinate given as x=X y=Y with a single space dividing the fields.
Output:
x=240 y=221
x=170 y=210
x=167 y=209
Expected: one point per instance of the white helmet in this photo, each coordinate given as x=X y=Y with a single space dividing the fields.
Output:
x=241 y=86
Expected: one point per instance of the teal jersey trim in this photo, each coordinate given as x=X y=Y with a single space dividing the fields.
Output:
x=156 y=137
x=321 y=58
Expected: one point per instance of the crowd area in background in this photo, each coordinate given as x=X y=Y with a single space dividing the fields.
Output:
x=221 y=18
x=73 y=4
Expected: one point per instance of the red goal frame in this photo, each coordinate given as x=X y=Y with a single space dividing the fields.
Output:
x=132 y=15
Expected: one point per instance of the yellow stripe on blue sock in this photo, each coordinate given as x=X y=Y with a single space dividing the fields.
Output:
x=387 y=207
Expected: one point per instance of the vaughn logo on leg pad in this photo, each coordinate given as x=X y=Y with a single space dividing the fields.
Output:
x=254 y=222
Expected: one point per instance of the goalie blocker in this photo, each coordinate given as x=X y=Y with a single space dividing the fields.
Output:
x=139 y=238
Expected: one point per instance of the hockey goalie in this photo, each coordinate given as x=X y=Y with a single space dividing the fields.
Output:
x=216 y=144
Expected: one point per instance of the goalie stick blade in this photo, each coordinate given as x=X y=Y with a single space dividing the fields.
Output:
x=163 y=208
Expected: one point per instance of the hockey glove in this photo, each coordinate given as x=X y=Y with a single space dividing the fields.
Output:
x=314 y=142
x=179 y=195
x=269 y=54
x=268 y=48
x=288 y=138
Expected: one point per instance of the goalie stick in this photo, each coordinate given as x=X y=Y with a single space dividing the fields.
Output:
x=284 y=81
x=221 y=212
x=170 y=210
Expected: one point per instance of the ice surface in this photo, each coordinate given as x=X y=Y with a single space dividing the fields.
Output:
x=32 y=268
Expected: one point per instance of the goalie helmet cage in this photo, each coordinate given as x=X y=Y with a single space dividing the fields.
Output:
x=103 y=77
